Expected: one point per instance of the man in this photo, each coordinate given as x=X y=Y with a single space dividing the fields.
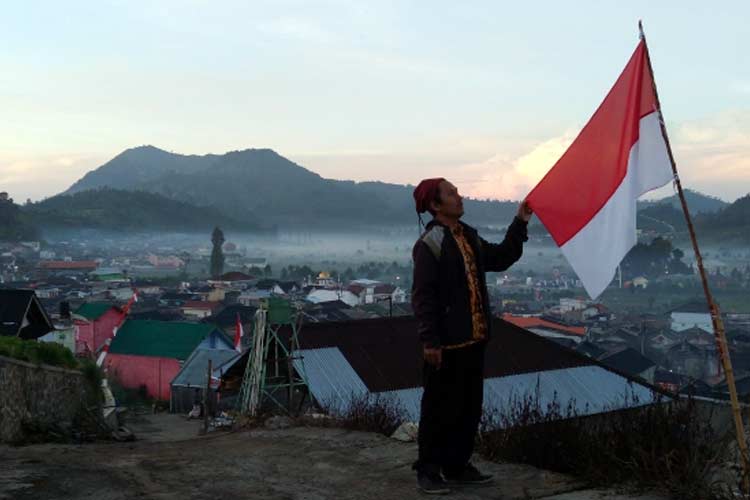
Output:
x=450 y=302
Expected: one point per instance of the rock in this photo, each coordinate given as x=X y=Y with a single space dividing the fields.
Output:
x=278 y=422
x=406 y=432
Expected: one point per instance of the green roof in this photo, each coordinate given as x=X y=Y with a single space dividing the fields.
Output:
x=163 y=339
x=93 y=310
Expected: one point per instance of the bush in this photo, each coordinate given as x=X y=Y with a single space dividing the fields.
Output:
x=668 y=446
x=37 y=352
x=366 y=412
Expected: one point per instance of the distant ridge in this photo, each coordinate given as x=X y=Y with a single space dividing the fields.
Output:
x=112 y=209
x=258 y=188
x=261 y=185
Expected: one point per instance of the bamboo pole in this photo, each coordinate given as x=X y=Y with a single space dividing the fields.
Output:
x=716 y=320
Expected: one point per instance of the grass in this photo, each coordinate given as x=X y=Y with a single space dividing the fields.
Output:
x=47 y=353
x=364 y=412
x=668 y=446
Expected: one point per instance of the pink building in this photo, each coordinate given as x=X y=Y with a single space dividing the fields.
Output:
x=147 y=355
x=95 y=323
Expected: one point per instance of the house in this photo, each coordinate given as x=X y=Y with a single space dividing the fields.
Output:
x=640 y=282
x=68 y=266
x=692 y=314
x=630 y=361
x=22 y=315
x=547 y=327
x=149 y=354
x=95 y=323
x=232 y=279
x=371 y=291
x=256 y=263
x=590 y=349
x=286 y=287
x=188 y=386
x=199 y=309
x=176 y=299
x=253 y=297
x=107 y=274
x=316 y=296
x=334 y=310
x=344 y=360
x=226 y=319
x=63 y=334
x=687 y=359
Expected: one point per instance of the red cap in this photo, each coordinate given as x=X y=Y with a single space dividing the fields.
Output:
x=425 y=192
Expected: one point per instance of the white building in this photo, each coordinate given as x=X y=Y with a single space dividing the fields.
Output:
x=691 y=315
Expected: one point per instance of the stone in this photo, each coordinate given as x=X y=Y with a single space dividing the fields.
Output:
x=278 y=422
x=406 y=432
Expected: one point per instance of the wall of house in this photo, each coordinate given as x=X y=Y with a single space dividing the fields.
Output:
x=95 y=333
x=38 y=395
x=134 y=371
x=684 y=320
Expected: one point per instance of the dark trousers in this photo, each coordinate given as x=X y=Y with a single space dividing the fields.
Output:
x=451 y=410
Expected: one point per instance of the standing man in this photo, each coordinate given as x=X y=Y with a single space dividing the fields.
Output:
x=450 y=302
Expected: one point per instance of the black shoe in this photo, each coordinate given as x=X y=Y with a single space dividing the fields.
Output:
x=432 y=484
x=470 y=475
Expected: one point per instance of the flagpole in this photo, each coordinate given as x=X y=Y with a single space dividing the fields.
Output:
x=716 y=320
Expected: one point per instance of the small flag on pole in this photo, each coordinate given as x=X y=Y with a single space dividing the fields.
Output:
x=133 y=300
x=238 y=333
x=587 y=201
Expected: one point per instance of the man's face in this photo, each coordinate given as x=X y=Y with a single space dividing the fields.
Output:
x=451 y=203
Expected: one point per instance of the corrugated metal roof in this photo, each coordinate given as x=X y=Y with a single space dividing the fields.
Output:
x=332 y=380
x=386 y=353
x=588 y=389
x=168 y=339
x=93 y=310
x=193 y=372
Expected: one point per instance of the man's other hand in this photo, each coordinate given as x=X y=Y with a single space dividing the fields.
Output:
x=524 y=211
x=433 y=356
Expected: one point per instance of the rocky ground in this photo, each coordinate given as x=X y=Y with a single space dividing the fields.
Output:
x=170 y=461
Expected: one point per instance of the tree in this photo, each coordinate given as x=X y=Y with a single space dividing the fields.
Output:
x=217 y=254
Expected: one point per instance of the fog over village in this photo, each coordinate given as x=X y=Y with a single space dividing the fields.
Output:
x=223 y=306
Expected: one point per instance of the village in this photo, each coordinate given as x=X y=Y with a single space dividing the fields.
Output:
x=153 y=326
x=372 y=250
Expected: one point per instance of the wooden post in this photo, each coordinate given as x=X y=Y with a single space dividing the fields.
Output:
x=716 y=320
x=205 y=398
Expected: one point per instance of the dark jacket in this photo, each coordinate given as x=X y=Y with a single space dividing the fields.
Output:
x=440 y=292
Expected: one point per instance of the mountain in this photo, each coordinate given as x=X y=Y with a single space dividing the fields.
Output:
x=138 y=166
x=111 y=209
x=697 y=202
x=730 y=224
x=14 y=226
x=261 y=185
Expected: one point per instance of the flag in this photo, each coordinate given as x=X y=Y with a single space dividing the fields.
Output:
x=133 y=300
x=587 y=201
x=238 y=333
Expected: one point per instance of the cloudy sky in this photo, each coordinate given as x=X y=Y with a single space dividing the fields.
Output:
x=488 y=94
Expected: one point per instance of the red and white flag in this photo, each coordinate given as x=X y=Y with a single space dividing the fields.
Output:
x=238 y=333
x=587 y=201
x=133 y=300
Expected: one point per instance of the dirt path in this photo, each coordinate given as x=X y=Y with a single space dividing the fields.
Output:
x=169 y=461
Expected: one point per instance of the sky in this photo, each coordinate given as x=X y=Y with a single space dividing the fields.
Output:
x=487 y=94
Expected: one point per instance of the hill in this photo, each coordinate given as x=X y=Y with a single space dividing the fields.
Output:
x=730 y=224
x=263 y=185
x=14 y=226
x=107 y=208
x=697 y=202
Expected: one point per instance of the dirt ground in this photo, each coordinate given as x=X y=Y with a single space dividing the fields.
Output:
x=170 y=461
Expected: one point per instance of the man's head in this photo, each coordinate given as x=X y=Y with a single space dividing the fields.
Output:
x=440 y=198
